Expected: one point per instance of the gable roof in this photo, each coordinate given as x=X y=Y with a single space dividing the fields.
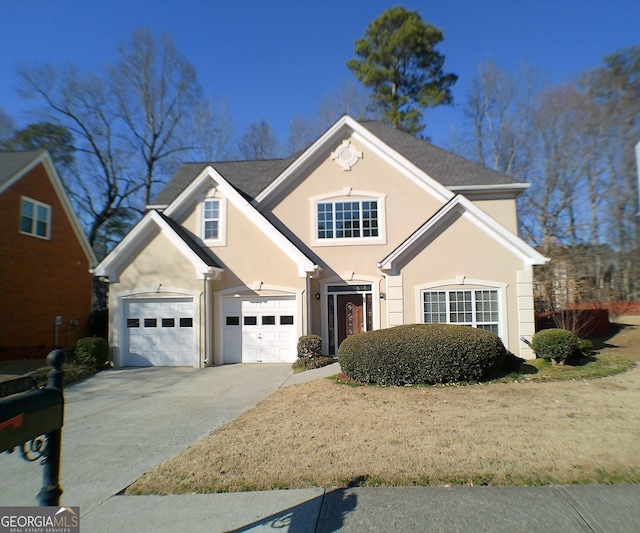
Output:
x=15 y=165
x=201 y=257
x=203 y=260
x=247 y=177
x=459 y=205
x=203 y=253
x=209 y=176
x=254 y=178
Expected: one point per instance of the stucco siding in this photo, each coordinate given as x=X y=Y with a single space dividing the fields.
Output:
x=159 y=262
x=406 y=206
x=249 y=255
x=502 y=211
x=459 y=257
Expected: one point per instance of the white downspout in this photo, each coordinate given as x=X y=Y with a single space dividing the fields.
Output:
x=208 y=325
x=307 y=329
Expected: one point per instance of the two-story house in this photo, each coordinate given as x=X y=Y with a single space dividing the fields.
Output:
x=45 y=284
x=367 y=228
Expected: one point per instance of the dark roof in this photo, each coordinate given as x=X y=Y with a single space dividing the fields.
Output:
x=203 y=253
x=251 y=177
x=13 y=162
x=248 y=177
x=450 y=169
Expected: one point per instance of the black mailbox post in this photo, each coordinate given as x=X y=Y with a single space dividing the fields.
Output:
x=32 y=421
x=28 y=415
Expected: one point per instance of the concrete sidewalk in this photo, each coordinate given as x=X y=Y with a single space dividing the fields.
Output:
x=312 y=375
x=563 y=509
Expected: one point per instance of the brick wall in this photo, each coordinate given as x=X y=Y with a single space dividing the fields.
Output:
x=40 y=279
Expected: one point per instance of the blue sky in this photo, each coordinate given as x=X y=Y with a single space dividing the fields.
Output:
x=276 y=59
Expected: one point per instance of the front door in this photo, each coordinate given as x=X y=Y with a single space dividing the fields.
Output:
x=350 y=315
x=349 y=312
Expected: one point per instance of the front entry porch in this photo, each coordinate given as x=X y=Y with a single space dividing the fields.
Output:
x=349 y=311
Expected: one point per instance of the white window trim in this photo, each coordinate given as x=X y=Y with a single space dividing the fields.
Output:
x=464 y=284
x=221 y=240
x=349 y=195
x=36 y=204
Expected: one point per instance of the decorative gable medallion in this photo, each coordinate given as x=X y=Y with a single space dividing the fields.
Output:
x=346 y=155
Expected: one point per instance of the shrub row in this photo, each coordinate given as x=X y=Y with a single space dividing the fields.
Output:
x=421 y=354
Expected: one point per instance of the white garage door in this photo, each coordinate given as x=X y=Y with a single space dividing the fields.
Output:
x=159 y=332
x=259 y=330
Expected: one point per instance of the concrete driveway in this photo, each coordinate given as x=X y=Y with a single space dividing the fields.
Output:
x=121 y=423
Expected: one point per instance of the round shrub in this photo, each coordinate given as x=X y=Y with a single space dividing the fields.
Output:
x=92 y=352
x=309 y=346
x=555 y=345
x=421 y=354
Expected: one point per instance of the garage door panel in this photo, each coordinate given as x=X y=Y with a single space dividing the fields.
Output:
x=270 y=355
x=266 y=330
x=165 y=333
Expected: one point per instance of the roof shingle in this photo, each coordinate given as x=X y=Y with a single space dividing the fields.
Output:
x=251 y=177
x=13 y=162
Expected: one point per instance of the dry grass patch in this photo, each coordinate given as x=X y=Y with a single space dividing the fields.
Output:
x=331 y=435
x=324 y=434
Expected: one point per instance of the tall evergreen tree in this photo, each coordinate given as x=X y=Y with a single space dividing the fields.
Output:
x=397 y=60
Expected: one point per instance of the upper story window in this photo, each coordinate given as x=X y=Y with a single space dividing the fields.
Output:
x=213 y=221
x=346 y=220
x=211 y=218
x=35 y=218
x=349 y=221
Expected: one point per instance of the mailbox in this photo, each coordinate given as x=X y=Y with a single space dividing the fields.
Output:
x=28 y=415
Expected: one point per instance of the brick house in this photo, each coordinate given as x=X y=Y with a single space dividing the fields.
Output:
x=45 y=259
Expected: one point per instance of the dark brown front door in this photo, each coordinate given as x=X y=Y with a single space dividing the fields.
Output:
x=350 y=315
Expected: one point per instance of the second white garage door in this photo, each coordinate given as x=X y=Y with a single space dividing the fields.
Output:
x=258 y=330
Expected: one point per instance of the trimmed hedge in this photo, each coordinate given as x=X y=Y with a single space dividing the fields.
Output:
x=421 y=354
x=309 y=346
x=92 y=352
x=555 y=345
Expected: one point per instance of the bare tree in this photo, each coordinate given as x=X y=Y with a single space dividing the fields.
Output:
x=157 y=95
x=7 y=126
x=552 y=139
x=499 y=112
x=132 y=124
x=258 y=142
x=102 y=187
x=213 y=127
x=302 y=133
x=614 y=88
x=347 y=99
